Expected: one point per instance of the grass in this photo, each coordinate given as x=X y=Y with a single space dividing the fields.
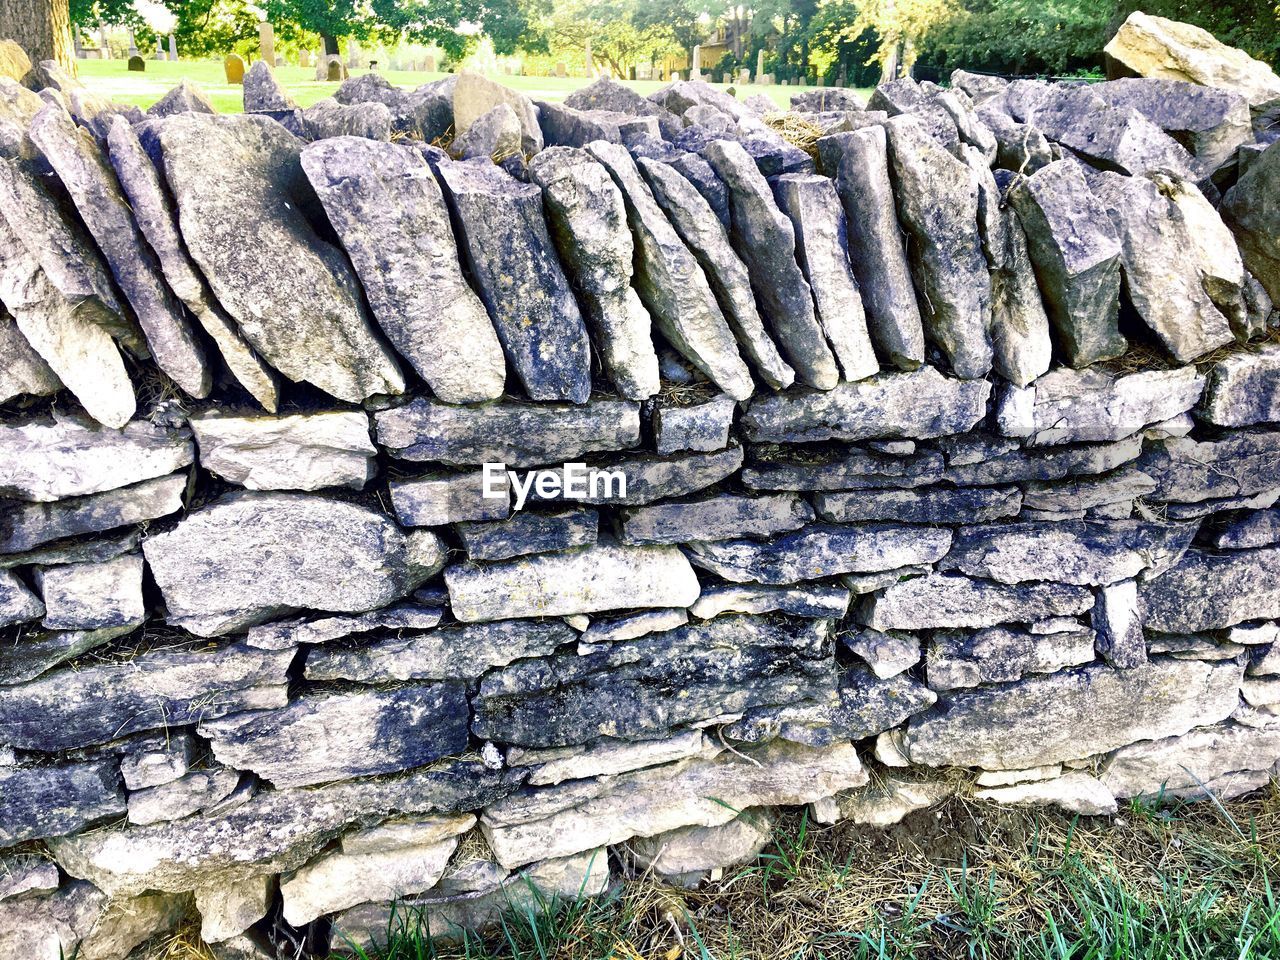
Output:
x=112 y=79
x=964 y=880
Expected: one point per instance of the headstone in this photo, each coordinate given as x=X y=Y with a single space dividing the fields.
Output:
x=137 y=64
x=335 y=70
x=173 y=48
x=695 y=69
x=562 y=70
x=744 y=76
x=353 y=54
x=586 y=55
x=102 y=41
x=760 y=66
x=266 y=42
x=429 y=64
x=234 y=67
x=159 y=54
x=304 y=58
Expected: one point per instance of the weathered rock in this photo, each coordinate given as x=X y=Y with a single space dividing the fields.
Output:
x=1258 y=529
x=1068 y=406
x=22 y=875
x=263 y=92
x=919 y=405
x=227 y=910
x=863 y=705
x=1183 y=766
x=821 y=550
x=632 y=626
x=567 y=127
x=24 y=526
x=1155 y=47
x=887 y=654
x=519 y=435
x=393 y=834
x=300 y=312
x=703 y=427
x=600 y=577
x=93 y=596
x=1162 y=279
x=529 y=532
x=1072 y=714
x=1069 y=551
x=1117 y=622
x=721 y=666
x=436 y=499
x=385 y=204
x=947 y=600
x=79 y=920
x=327 y=118
x=186 y=97
x=692 y=852
x=153 y=209
x=937 y=202
x=719 y=517
x=197 y=791
x=1008 y=465
x=672 y=284
x=764 y=237
x=932 y=505
x=1207 y=592
x=221 y=570
x=588 y=220
x=907 y=96
x=25 y=372
x=340 y=880
x=53 y=800
x=1243 y=389
x=1020 y=147
x=956 y=659
x=287 y=634
x=1077 y=260
x=781 y=469
x=822 y=248
x=1250 y=210
x=680 y=96
x=449 y=653
x=295 y=452
x=1120 y=486
x=383 y=731
x=652 y=802
x=651 y=478
x=1074 y=792
x=70 y=335
x=608 y=94
x=1209 y=122
x=606 y=757
x=890 y=801
x=17 y=603
x=1021 y=345
x=727 y=275
x=161 y=761
x=474 y=96
x=798 y=601
x=275 y=831
x=520 y=279
x=1240 y=464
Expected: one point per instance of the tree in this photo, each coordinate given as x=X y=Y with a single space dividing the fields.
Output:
x=42 y=28
x=618 y=38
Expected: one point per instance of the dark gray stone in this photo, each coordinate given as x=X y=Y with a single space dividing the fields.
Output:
x=828 y=98
x=494 y=135
x=262 y=92
x=1020 y=147
x=24 y=526
x=54 y=800
x=935 y=505
x=1243 y=389
x=186 y=97
x=907 y=96
x=1209 y=592
x=1208 y=121
x=383 y=731
x=702 y=427
x=514 y=264
x=1044 y=465
x=1240 y=464
x=854 y=470
x=287 y=634
x=328 y=118
x=608 y=94
x=719 y=666
x=955 y=658
x=719 y=517
x=436 y=499
x=528 y=532
x=1258 y=529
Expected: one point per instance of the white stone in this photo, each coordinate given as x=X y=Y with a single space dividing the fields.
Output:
x=1074 y=792
x=230 y=909
x=295 y=452
x=607 y=757
x=398 y=834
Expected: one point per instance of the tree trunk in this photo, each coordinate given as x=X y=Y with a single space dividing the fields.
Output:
x=42 y=28
x=330 y=44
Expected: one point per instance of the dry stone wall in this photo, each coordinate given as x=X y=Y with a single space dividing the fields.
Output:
x=954 y=450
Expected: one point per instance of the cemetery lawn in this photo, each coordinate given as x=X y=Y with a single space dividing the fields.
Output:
x=111 y=78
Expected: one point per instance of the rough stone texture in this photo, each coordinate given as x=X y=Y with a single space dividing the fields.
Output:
x=263 y=92
x=1158 y=258
x=937 y=201
x=600 y=577
x=699 y=850
x=1072 y=714
x=1240 y=464
x=775 y=469
x=93 y=596
x=703 y=427
x=514 y=264
x=934 y=505
x=519 y=435
x=227 y=910
x=890 y=801
x=492 y=135
x=296 y=452
x=291 y=294
x=474 y=96
x=45 y=801
x=194 y=792
x=1252 y=212
x=721 y=666
x=1207 y=591
x=652 y=802
x=449 y=653
x=437 y=499
x=957 y=659
x=1076 y=255
x=730 y=279
x=1155 y=47
x=186 y=97
x=651 y=478
x=1258 y=529
x=1182 y=766
x=947 y=600
x=387 y=208
x=163 y=761
x=1117 y=621
x=822 y=551
x=25 y=526
x=719 y=517
x=887 y=654
x=89 y=178
x=822 y=248
x=588 y=220
x=1074 y=792
x=25 y=372
x=605 y=93
x=220 y=570
x=921 y=404
x=764 y=237
x=671 y=282
x=606 y=757
x=153 y=209
x=529 y=532
x=798 y=601
x=1243 y=389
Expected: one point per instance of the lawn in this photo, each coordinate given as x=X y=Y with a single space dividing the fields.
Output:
x=112 y=79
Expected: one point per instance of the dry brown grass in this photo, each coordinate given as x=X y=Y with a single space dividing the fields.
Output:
x=796 y=130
